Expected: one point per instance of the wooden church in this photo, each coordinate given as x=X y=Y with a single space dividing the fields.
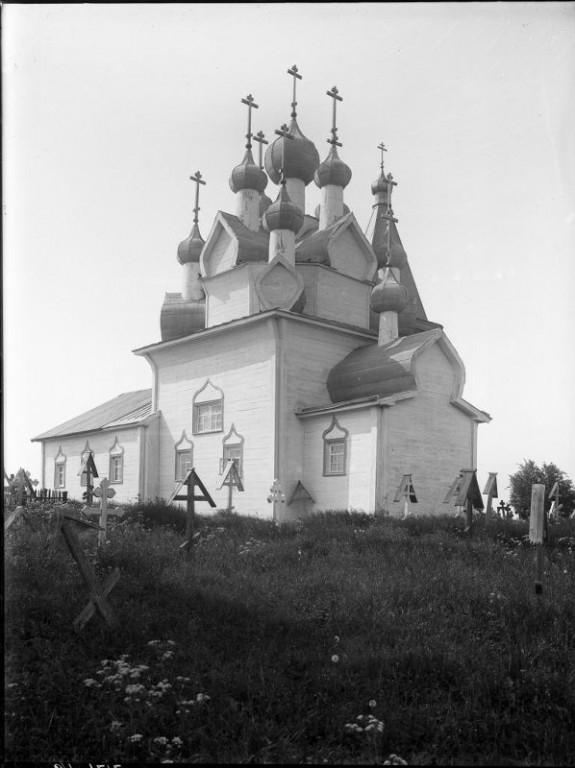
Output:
x=296 y=347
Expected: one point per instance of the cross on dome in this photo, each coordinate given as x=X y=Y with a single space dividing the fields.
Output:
x=259 y=137
x=197 y=178
x=383 y=149
x=334 y=93
x=284 y=133
x=294 y=72
x=251 y=104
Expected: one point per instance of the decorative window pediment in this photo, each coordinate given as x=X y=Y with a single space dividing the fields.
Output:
x=60 y=469
x=233 y=448
x=208 y=409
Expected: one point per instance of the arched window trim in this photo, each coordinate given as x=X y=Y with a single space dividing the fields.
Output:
x=60 y=469
x=83 y=457
x=180 y=470
x=230 y=446
x=116 y=463
x=208 y=415
x=335 y=450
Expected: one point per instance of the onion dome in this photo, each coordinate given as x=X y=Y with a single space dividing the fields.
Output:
x=333 y=171
x=298 y=155
x=381 y=184
x=283 y=214
x=189 y=249
x=389 y=295
x=248 y=175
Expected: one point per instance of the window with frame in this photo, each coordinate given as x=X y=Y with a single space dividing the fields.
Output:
x=85 y=453
x=233 y=448
x=335 y=449
x=208 y=410
x=60 y=470
x=184 y=457
x=116 y=473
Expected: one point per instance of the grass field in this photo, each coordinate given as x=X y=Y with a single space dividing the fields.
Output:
x=345 y=639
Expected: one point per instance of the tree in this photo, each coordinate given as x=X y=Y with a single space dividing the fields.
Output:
x=547 y=474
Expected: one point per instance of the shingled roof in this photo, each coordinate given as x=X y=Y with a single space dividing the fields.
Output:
x=127 y=409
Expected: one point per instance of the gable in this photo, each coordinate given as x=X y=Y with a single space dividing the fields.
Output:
x=435 y=372
x=349 y=255
x=219 y=253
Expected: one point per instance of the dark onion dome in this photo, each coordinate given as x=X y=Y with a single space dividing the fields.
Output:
x=332 y=171
x=301 y=156
x=389 y=251
x=283 y=214
x=389 y=295
x=381 y=184
x=318 y=210
x=189 y=249
x=180 y=318
x=248 y=175
x=265 y=203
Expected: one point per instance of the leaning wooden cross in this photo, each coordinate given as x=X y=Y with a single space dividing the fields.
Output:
x=406 y=493
x=302 y=496
x=464 y=491
x=490 y=491
x=104 y=492
x=191 y=480
x=65 y=525
x=232 y=479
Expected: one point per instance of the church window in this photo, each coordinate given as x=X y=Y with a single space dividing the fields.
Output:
x=85 y=453
x=335 y=449
x=116 y=463
x=184 y=456
x=208 y=410
x=60 y=470
x=233 y=448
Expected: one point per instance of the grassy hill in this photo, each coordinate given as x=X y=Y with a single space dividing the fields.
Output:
x=345 y=639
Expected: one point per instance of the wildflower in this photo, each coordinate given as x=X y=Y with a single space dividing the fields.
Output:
x=115 y=725
x=167 y=655
x=162 y=740
x=14 y=685
x=395 y=760
x=154 y=642
x=171 y=642
x=176 y=741
x=136 y=737
x=335 y=658
x=336 y=638
x=90 y=683
x=201 y=697
x=372 y=703
x=132 y=689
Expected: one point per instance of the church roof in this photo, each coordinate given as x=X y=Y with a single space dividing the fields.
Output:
x=126 y=409
x=379 y=370
x=252 y=246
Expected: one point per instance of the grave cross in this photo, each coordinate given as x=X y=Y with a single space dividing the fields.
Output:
x=191 y=480
x=197 y=178
x=249 y=100
x=334 y=93
x=260 y=138
x=104 y=492
x=232 y=479
x=503 y=509
x=294 y=72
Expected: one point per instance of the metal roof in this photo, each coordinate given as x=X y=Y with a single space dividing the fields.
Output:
x=128 y=408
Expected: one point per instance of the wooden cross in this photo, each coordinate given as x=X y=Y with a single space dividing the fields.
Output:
x=406 y=493
x=232 y=479
x=491 y=491
x=334 y=93
x=464 y=491
x=190 y=481
x=104 y=492
x=20 y=485
x=65 y=525
x=503 y=508
x=294 y=72
x=383 y=149
x=249 y=100
x=259 y=137
x=19 y=511
x=197 y=178
x=276 y=496
x=284 y=132
x=302 y=496
x=89 y=469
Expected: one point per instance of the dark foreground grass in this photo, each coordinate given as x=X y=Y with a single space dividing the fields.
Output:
x=274 y=641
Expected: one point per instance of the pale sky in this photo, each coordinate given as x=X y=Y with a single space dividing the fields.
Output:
x=108 y=109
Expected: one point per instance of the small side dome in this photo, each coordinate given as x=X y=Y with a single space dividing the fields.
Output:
x=301 y=156
x=389 y=295
x=382 y=183
x=333 y=171
x=248 y=175
x=283 y=214
x=189 y=249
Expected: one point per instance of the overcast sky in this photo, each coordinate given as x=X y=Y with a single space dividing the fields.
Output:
x=108 y=109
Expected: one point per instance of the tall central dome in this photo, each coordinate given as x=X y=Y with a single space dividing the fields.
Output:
x=299 y=155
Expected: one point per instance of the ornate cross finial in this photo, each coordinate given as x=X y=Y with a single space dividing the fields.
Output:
x=383 y=149
x=259 y=137
x=334 y=93
x=249 y=100
x=296 y=76
x=197 y=178
x=283 y=131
